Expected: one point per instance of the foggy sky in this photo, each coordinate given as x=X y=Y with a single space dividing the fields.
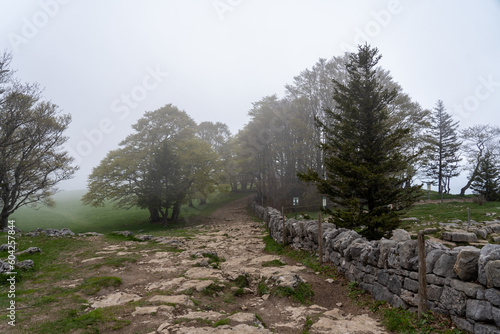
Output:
x=107 y=62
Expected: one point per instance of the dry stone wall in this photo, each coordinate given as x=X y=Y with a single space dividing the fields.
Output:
x=463 y=282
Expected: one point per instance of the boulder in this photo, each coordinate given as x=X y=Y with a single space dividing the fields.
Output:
x=487 y=254
x=385 y=246
x=466 y=265
x=479 y=310
x=400 y=235
x=26 y=264
x=31 y=250
x=493 y=296
x=459 y=236
x=453 y=300
x=444 y=265
x=492 y=270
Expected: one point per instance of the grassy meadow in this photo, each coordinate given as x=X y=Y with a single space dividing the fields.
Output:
x=69 y=212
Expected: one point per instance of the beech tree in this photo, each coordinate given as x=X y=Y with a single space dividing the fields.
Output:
x=366 y=166
x=32 y=161
x=159 y=167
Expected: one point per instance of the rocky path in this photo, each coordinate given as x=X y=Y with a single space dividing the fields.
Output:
x=215 y=282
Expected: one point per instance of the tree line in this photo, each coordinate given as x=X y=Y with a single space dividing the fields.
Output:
x=344 y=129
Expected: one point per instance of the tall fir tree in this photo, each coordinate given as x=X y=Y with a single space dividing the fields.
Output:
x=363 y=153
x=487 y=180
x=441 y=163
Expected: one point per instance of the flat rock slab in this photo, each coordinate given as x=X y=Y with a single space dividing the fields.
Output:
x=177 y=300
x=240 y=329
x=197 y=273
x=114 y=299
x=195 y=284
x=358 y=325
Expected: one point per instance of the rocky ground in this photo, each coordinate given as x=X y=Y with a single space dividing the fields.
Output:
x=215 y=282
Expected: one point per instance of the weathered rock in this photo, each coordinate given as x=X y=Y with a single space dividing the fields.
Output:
x=26 y=264
x=479 y=310
x=493 y=296
x=124 y=233
x=144 y=237
x=431 y=258
x=459 y=236
x=434 y=292
x=480 y=232
x=31 y=250
x=485 y=329
x=4 y=267
x=492 y=270
x=400 y=235
x=487 y=254
x=463 y=323
x=466 y=265
x=114 y=299
x=453 y=300
x=444 y=265
x=470 y=289
x=179 y=299
x=385 y=246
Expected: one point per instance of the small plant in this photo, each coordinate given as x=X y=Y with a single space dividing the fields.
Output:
x=302 y=293
x=273 y=263
x=213 y=289
x=307 y=325
x=259 y=318
x=222 y=322
x=262 y=288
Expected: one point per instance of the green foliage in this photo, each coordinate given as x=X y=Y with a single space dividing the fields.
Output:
x=366 y=167
x=273 y=263
x=157 y=168
x=487 y=181
x=222 y=322
x=406 y=322
x=33 y=160
x=301 y=293
x=213 y=289
x=272 y=246
x=263 y=288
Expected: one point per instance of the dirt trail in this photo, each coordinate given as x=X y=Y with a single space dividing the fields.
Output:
x=180 y=287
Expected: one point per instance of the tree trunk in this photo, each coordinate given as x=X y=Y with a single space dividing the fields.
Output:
x=175 y=212
x=4 y=220
x=191 y=205
x=154 y=215
x=203 y=201
x=469 y=183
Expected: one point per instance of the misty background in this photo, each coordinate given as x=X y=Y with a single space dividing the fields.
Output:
x=107 y=62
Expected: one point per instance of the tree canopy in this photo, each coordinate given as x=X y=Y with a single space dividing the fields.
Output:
x=32 y=161
x=157 y=168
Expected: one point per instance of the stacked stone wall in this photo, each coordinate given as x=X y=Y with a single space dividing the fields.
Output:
x=463 y=282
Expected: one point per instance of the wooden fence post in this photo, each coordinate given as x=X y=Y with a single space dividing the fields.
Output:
x=422 y=279
x=284 y=219
x=320 y=240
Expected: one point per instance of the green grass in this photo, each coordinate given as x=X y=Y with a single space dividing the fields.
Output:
x=405 y=322
x=93 y=285
x=69 y=212
x=89 y=322
x=273 y=263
